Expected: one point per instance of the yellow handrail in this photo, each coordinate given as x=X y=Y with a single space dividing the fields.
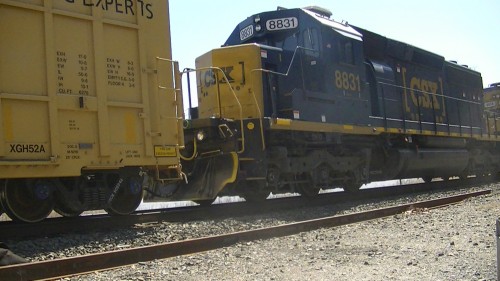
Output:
x=195 y=151
x=226 y=81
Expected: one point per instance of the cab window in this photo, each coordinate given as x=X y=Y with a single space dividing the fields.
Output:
x=345 y=50
x=311 y=42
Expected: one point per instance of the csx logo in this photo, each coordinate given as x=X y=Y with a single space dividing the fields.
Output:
x=214 y=76
x=424 y=93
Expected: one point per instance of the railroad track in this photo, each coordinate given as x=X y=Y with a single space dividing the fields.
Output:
x=14 y=231
x=95 y=262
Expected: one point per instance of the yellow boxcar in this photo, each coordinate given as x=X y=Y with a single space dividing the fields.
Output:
x=86 y=86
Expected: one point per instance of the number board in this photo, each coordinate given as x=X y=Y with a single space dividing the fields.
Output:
x=282 y=24
x=246 y=32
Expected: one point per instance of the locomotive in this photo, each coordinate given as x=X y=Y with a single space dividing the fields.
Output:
x=491 y=99
x=492 y=107
x=297 y=102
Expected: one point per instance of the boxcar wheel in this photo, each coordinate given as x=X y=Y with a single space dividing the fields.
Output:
x=66 y=211
x=126 y=195
x=67 y=201
x=27 y=200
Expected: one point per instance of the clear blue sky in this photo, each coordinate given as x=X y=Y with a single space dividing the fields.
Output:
x=465 y=31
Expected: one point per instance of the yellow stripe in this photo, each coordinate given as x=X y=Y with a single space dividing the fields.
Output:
x=298 y=125
x=283 y=122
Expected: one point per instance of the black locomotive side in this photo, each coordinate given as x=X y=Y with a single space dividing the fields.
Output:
x=323 y=104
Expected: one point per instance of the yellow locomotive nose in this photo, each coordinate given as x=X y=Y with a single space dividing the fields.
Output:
x=230 y=83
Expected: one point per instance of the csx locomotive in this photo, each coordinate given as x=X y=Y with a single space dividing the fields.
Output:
x=296 y=102
x=91 y=110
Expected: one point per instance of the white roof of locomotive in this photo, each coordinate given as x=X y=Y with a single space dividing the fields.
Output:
x=342 y=28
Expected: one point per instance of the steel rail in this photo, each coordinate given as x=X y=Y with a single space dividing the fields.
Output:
x=94 y=262
x=14 y=231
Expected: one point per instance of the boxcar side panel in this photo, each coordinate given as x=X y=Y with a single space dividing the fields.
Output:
x=82 y=86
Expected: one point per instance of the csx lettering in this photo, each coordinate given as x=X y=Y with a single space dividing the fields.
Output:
x=120 y=6
x=227 y=72
x=423 y=93
x=209 y=78
x=27 y=148
x=347 y=81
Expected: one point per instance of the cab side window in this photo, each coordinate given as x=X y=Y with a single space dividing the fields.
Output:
x=345 y=50
x=311 y=42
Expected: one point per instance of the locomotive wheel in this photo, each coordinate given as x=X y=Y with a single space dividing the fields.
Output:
x=351 y=184
x=204 y=202
x=27 y=201
x=255 y=192
x=126 y=195
x=427 y=179
x=445 y=178
x=305 y=185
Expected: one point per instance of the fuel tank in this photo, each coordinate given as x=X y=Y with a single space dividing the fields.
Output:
x=411 y=163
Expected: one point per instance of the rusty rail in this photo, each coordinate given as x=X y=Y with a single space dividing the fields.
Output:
x=94 y=262
x=14 y=231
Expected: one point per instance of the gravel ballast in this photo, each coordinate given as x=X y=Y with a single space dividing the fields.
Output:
x=452 y=243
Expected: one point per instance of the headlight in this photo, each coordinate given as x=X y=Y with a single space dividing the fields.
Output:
x=258 y=28
x=200 y=136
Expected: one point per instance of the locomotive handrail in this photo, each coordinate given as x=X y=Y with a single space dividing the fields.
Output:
x=424 y=92
x=195 y=152
x=225 y=80
x=289 y=65
x=271 y=72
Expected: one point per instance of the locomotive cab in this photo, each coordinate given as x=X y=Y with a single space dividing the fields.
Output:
x=312 y=66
